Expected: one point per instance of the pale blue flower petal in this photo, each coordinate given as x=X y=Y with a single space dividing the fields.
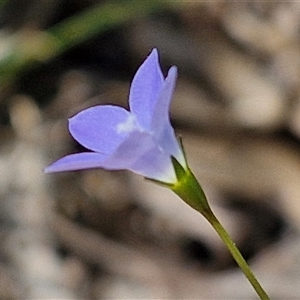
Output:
x=155 y=164
x=161 y=115
x=161 y=124
x=79 y=161
x=101 y=128
x=144 y=90
x=141 y=154
x=138 y=153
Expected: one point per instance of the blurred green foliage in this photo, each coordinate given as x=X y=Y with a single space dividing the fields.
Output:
x=26 y=47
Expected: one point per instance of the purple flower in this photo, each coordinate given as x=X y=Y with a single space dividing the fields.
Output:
x=141 y=140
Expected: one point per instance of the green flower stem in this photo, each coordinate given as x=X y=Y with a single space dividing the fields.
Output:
x=237 y=255
x=190 y=191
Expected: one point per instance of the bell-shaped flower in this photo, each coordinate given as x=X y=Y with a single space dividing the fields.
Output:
x=141 y=140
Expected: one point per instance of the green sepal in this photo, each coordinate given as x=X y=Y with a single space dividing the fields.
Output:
x=179 y=169
x=190 y=191
x=187 y=187
x=165 y=184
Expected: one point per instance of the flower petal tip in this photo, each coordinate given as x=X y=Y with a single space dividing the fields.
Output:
x=48 y=170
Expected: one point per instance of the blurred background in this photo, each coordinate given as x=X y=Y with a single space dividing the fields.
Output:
x=112 y=235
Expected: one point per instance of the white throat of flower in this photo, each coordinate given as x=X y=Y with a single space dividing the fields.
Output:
x=127 y=126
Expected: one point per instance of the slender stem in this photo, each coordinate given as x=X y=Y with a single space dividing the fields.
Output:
x=189 y=190
x=236 y=255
